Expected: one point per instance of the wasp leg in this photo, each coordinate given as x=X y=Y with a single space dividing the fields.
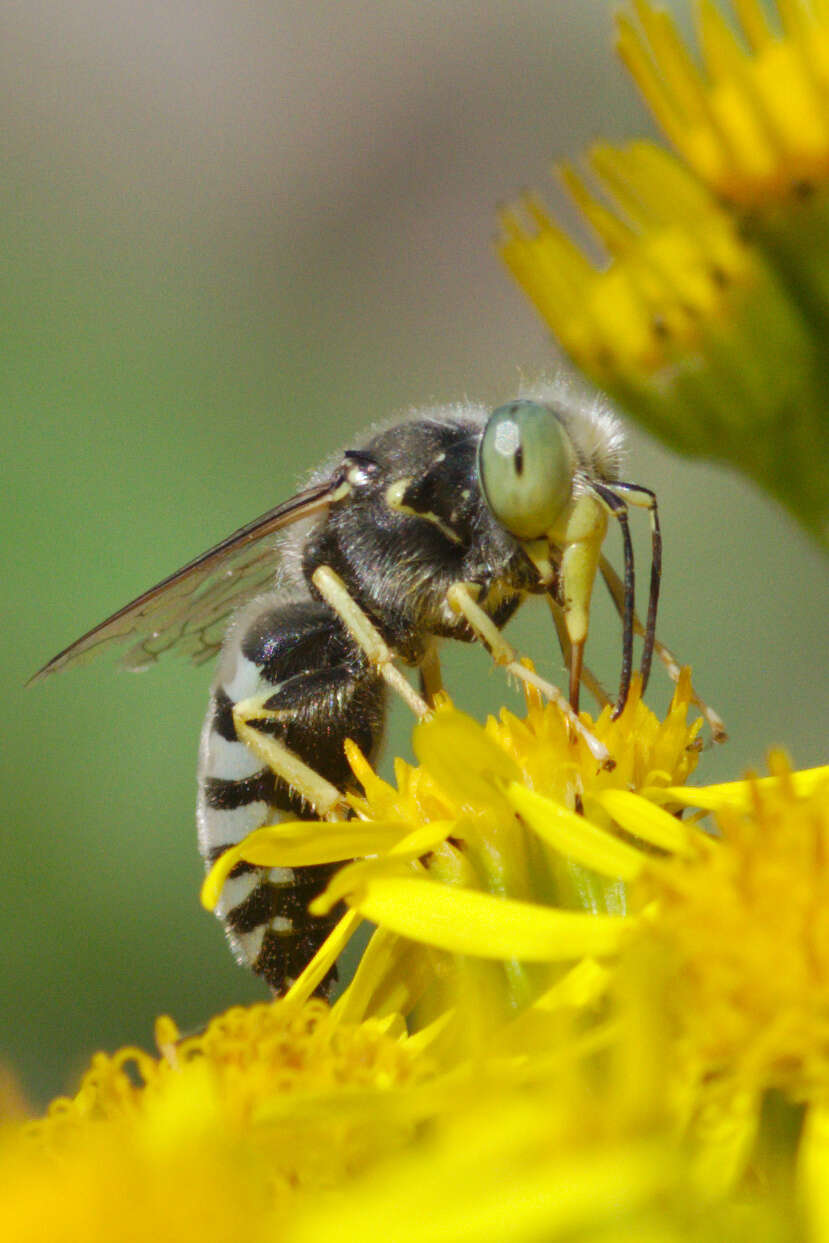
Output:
x=335 y=593
x=672 y=666
x=617 y=507
x=291 y=688
x=588 y=678
x=431 y=682
x=249 y=716
x=635 y=494
x=462 y=598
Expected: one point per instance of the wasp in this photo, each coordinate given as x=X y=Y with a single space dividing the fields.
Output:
x=436 y=526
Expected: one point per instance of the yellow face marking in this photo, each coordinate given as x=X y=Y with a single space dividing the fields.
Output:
x=394 y=499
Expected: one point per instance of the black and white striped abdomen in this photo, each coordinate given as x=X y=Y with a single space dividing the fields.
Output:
x=299 y=654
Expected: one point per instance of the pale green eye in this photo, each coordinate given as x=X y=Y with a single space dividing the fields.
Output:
x=526 y=464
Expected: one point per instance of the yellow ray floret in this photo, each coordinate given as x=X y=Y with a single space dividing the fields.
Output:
x=675 y=323
x=681 y=283
x=753 y=120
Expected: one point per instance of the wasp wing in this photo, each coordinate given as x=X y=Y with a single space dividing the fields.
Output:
x=188 y=612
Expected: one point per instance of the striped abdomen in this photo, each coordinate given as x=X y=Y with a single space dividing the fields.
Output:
x=319 y=683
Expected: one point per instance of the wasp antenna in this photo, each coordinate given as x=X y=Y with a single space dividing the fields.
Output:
x=618 y=509
x=635 y=494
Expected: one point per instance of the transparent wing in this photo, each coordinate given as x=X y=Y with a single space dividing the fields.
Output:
x=188 y=612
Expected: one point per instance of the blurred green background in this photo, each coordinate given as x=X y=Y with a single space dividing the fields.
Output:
x=233 y=236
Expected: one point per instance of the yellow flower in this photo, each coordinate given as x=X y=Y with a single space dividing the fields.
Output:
x=708 y=264
x=490 y=890
x=562 y=1028
x=744 y=919
x=654 y=1114
x=754 y=124
x=477 y=868
x=216 y=1135
x=735 y=956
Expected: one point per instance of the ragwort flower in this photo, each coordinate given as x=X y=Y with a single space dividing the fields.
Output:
x=564 y=1026
x=217 y=1137
x=735 y=956
x=476 y=866
x=709 y=263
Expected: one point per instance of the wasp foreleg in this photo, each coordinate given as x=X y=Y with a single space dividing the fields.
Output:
x=462 y=598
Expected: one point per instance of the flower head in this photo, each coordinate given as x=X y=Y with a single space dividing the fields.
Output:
x=565 y=1018
x=743 y=920
x=217 y=1133
x=707 y=263
x=477 y=865
x=753 y=123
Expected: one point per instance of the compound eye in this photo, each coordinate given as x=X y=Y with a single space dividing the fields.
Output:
x=526 y=464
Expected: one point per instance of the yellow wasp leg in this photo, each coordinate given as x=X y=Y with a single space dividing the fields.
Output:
x=334 y=591
x=462 y=598
x=320 y=794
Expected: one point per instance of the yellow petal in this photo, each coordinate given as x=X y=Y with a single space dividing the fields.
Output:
x=390 y=978
x=642 y=818
x=582 y=986
x=309 y=981
x=300 y=843
x=466 y=921
x=350 y=879
x=463 y=759
x=574 y=836
x=737 y=794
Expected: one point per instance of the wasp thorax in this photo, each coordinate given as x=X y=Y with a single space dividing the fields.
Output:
x=526 y=464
